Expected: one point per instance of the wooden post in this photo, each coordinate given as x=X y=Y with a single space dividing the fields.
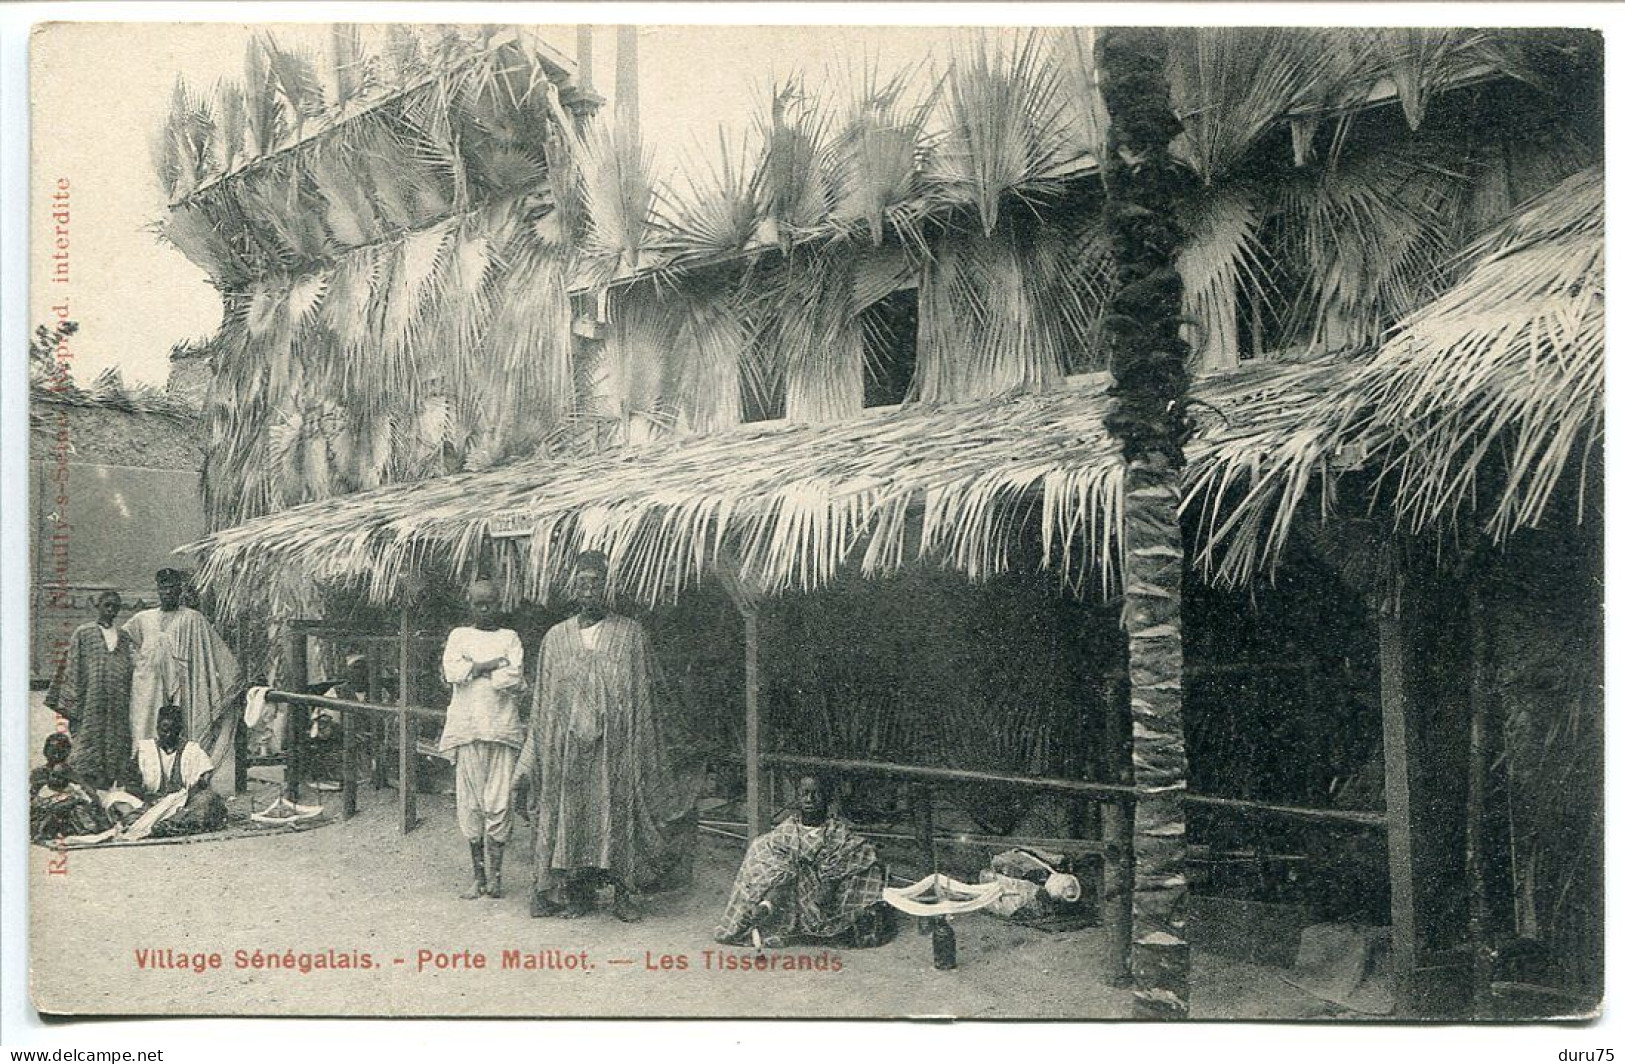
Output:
x=377 y=727
x=1399 y=762
x=239 y=744
x=408 y=732
x=925 y=830
x=350 y=722
x=755 y=813
x=1480 y=694
x=925 y=837
x=747 y=601
x=293 y=765
x=1117 y=831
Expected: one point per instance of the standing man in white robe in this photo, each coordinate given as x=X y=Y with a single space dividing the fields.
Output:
x=484 y=664
x=181 y=660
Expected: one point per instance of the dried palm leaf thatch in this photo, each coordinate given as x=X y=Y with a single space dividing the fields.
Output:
x=707 y=359
x=797 y=172
x=880 y=149
x=1072 y=51
x=1012 y=310
x=349 y=73
x=951 y=486
x=1421 y=61
x=1221 y=258
x=109 y=391
x=184 y=148
x=809 y=335
x=398 y=360
x=717 y=213
x=1006 y=128
x=632 y=367
x=1367 y=236
x=466 y=125
x=1478 y=403
x=618 y=194
x=1232 y=84
x=1497 y=384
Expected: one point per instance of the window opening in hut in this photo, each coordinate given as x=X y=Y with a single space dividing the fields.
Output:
x=889 y=347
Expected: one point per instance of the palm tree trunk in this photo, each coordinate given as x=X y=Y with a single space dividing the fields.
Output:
x=1148 y=360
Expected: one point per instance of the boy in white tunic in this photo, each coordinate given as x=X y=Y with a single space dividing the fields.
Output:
x=485 y=666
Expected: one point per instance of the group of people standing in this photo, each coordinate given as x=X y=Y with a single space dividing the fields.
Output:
x=609 y=795
x=608 y=792
x=143 y=704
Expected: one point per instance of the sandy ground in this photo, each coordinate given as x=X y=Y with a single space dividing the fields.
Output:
x=362 y=888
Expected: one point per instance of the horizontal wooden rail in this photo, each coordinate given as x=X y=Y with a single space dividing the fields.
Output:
x=1345 y=817
x=403 y=715
x=343 y=705
x=1106 y=792
x=927 y=774
x=1089 y=847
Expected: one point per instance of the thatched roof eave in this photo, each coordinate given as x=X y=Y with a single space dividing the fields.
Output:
x=793 y=503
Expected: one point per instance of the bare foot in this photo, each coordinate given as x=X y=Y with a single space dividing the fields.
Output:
x=473 y=893
x=626 y=910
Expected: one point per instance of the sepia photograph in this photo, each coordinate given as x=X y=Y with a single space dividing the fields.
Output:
x=832 y=521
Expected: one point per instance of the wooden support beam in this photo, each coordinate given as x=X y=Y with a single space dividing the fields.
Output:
x=377 y=728
x=1117 y=832
x=298 y=734
x=1109 y=793
x=408 y=732
x=1480 y=695
x=1351 y=818
x=239 y=768
x=925 y=832
x=755 y=809
x=747 y=600
x=346 y=706
x=919 y=806
x=351 y=725
x=954 y=839
x=1399 y=749
x=930 y=774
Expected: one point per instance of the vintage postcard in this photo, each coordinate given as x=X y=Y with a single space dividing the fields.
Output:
x=842 y=521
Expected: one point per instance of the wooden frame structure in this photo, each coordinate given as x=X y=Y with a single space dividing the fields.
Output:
x=1116 y=799
x=403 y=714
x=1419 y=975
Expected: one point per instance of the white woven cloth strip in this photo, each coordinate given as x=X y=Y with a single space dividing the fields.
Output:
x=940 y=895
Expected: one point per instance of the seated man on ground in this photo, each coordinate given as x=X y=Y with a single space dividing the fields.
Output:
x=172 y=776
x=59 y=805
x=811 y=877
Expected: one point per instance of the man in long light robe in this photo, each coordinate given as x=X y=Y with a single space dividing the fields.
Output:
x=607 y=801
x=484 y=664
x=92 y=690
x=181 y=660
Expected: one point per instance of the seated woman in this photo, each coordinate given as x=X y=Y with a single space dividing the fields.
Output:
x=60 y=807
x=172 y=777
x=58 y=751
x=811 y=877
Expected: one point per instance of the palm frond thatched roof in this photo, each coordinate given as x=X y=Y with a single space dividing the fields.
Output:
x=1479 y=402
x=792 y=502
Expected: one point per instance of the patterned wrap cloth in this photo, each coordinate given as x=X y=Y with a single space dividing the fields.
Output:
x=820 y=881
